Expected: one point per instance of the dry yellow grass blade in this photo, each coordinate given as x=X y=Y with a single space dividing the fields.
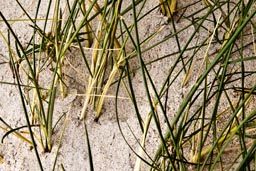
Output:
x=1 y=159
x=99 y=62
x=87 y=28
x=141 y=151
x=208 y=3
x=17 y=134
x=188 y=75
x=106 y=88
x=195 y=156
x=168 y=7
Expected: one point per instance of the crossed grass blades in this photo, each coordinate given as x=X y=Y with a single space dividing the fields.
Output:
x=196 y=136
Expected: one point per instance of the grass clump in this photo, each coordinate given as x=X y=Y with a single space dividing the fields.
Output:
x=210 y=68
x=197 y=136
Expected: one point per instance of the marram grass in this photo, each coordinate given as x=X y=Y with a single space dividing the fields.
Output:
x=218 y=104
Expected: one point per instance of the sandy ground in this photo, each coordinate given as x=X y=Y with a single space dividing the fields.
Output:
x=110 y=151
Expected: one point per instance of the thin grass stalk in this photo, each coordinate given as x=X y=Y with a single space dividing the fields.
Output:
x=215 y=61
x=127 y=68
x=235 y=130
x=118 y=62
x=142 y=143
x=92 y=80
x=168 y=7
x=18 y=45
x=60 y=53
x=89 y=147
x=144 y=73
x=195 y=87
x=87 y=30
x=228 y=132
x=248 y=158
x=33 y=75
x=134 y=43
x=56 y=79
x=61 y=138
x=203 y=112
x=71 y=11
x=223 y=70
x=93 y=100
x=170 y=132
x=33 y=114
x=103 y=57
x=119 y=125
x=242 y=133
x=80 y=26
x=23 y=103
x=10 y=130
x=242 y=116
x=56 y=30
x=100 y=61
